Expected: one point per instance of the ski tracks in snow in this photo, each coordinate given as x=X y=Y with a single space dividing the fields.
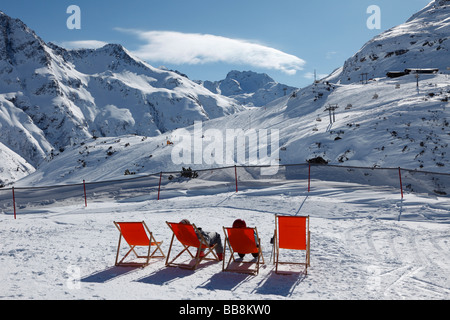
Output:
x=402 y=260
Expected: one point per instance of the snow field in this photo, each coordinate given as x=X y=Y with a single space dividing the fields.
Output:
x=366 y=243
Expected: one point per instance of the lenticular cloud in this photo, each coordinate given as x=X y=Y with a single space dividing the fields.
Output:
x=192 y=48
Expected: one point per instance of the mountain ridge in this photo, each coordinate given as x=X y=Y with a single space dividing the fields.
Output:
x=51 y=97
x=249 y=88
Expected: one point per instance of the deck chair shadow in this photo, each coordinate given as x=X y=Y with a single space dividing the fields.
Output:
x=243 y=241
x=291 y=233
x=137 y=234
x=189 y=237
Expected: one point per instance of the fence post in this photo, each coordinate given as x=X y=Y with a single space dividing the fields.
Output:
x=400 y=176
x=309 y=177
x=85 y=198
x=159 y=187
x=235 y=177
x=14 y=202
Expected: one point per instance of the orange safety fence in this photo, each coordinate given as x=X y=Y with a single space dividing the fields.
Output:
x=166 y=185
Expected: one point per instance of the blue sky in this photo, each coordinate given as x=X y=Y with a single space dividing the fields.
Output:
x=287 y=39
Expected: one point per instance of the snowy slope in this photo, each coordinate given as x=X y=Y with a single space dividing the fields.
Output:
x=19 y=133
x=366 y=243
x=249 y=88
x=12 y=166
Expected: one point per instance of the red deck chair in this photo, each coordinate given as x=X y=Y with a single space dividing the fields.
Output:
x=242 y=240
x=292 y=233
x=186 y=234
x=137 y=234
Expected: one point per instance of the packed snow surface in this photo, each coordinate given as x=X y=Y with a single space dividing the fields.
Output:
x=366 y=243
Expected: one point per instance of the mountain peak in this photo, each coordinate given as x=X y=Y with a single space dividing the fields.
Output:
x=249 y=81
x=423 y=41
x=249 y=87
x=114 y=48
x=110 y=57
x=9 y=24
x=235 y=74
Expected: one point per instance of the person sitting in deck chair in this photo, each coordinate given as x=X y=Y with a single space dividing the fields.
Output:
x=239 y=223
x=213 y=238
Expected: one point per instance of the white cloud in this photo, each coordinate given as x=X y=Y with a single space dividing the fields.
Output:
x=192 y=48
x=83 y=44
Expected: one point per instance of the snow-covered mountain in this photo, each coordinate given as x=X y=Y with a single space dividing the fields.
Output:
x=422 y=42
x=384 y=123
x=249 y=88
x=51 y=97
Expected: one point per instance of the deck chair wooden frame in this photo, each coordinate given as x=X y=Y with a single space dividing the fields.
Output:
x=137 y=234
x=291 y=232
x=242 y=240
x=189 y=237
